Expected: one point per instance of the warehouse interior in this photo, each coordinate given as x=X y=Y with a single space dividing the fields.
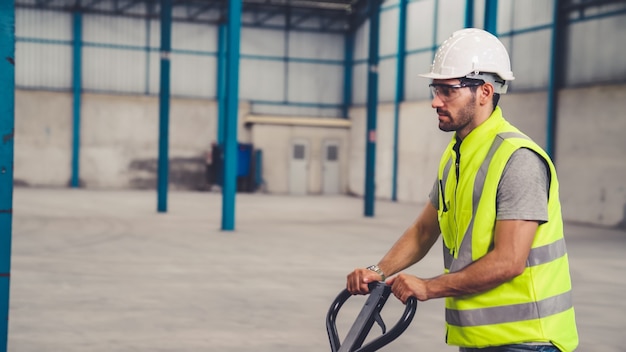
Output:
x=295 y=99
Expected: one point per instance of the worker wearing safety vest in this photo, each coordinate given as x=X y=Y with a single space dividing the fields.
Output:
x=495 y=203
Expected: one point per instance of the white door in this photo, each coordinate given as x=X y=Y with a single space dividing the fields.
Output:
x=330 y=168
x=298 y=167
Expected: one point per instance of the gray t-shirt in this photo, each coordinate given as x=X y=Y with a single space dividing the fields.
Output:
x=523 y=190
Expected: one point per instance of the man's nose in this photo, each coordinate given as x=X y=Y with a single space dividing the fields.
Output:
x=436 y=101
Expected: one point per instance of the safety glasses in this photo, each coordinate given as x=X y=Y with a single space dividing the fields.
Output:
x=449 y=92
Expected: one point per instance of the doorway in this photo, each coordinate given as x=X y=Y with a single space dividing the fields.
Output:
x=330 y=167
x=298 y=167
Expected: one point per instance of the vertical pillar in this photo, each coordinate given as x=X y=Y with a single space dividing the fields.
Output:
x=491 y=16
x=557 y=67
x=77 y=30
x=348 y=64
x=221 y=82
x=229 y=188
x=469 y=13
x=399 y=96
x=372 y=105
x=164 y=105
x=7 y=128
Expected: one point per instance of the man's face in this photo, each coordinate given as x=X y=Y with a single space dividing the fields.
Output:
x=455 y=105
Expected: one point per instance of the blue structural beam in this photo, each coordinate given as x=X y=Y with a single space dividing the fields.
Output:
x=232 y=100
x=372 y=105
x=348 y=64
x=491 y=16
x=164 y=105
x=77 y=67
x=221 y=82
x=7 y=128
x=469 y=13
x=399 y=96
x=559 y=24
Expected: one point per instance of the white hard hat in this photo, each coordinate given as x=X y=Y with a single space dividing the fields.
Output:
x=468 y=53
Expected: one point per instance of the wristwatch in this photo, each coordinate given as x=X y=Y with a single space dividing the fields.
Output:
x=377 y=270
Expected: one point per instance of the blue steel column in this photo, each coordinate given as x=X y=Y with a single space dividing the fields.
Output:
x=221 y=81
x=164 y=105
x=556 y=76
x=469 y=13
x=399 y=97
x=348 y=64
x=77 y=87
x=7 y=128
x=232 y=101
x=491 y=16
x=372 y=105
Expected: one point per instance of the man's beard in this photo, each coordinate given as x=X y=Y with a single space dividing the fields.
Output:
x=461 y=120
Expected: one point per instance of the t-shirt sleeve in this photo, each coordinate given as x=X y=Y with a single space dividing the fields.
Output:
x=434 y=195
x=523 y=189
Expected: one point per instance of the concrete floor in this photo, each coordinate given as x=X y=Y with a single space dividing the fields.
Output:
x=103 y=271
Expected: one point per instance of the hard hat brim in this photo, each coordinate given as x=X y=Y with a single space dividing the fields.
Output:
x=432 y=75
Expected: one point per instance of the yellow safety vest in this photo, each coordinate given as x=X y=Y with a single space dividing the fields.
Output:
x=535 y=306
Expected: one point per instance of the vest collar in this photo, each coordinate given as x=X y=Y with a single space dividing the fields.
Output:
x=485 y=131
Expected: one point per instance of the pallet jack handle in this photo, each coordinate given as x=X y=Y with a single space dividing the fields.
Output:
x=370 y=313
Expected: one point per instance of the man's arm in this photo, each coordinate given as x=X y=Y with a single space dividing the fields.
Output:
x=412 y=246
x=512 y=244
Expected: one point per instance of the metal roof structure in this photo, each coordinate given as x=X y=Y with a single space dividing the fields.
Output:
x=337 y=16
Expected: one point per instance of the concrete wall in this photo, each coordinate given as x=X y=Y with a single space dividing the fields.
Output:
x=119 y=140
x=590 y=152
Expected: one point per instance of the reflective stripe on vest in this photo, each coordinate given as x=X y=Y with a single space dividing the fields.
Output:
x=511 y=313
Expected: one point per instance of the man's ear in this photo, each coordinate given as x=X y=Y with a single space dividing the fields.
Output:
x=485 y=93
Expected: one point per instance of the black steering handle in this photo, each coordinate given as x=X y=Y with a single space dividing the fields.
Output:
x=370 y=313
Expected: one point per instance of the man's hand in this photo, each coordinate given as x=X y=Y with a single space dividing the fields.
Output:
x=358 y=279
x=404 y=286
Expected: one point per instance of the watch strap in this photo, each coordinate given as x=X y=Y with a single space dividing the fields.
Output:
x=377 y=270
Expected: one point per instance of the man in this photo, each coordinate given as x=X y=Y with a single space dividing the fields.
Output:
x=496 y=204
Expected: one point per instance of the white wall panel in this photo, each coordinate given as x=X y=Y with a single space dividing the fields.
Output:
x=359 y=84
x=388 y=40
x=114 y=30
x=597 y=51
x=516 y=14
x=155 y=34
x=261 y=80
x=43 y=65
x=313 y=83
x=193 y=75
x=114 y=70
x=530 y=74
x=451 y=18
x=325 y=46
x=387 y=80
x=263 y=42
x=43 y=24
x=361 y=42
x=416 y=87
x=154 y=70
x=192 y=36
x=419 y=32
